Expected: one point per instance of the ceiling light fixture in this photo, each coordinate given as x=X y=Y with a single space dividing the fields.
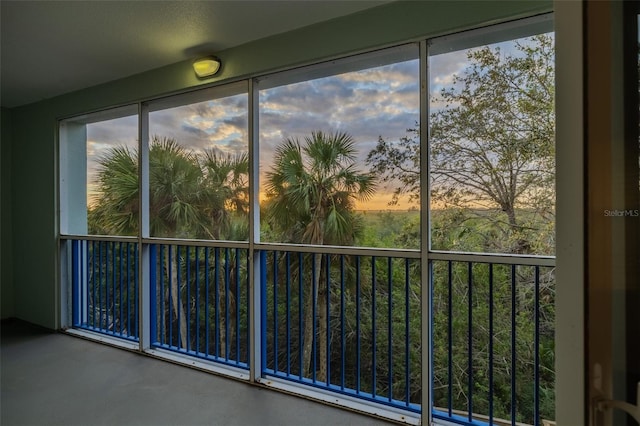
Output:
x=206 y=67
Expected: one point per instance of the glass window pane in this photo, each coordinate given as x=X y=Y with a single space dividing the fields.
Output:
x=199 y=165
x=492 y=143
x=99 y=173
x=323 y=138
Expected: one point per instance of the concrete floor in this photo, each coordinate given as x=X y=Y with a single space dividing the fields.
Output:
x=55 y=379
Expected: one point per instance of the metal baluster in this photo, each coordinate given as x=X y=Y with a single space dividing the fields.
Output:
x=136 y=304
x=275 y=311
x=179 y=295
x=470 y=337
x=450 y=337
x=197 y=254
x=374 y=333
x=206 y=298
x=491 y=343
x=536 y=349
x=217 y=300
x=300 y=311
x=358 y=369
x=343 y=343
x=187 y=308
x=513 y=345
x=113 y=285
x=313 y=317
x=288 y=310
x=226 y=303
x=170 y=258
x=328 y=326
x=237 y=305
x=407 y=373
x=161 y=296
x=120 y=282
x=389 y=329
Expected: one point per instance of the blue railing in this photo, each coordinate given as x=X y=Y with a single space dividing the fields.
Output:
x=105 y=287
x=200 y=302
x=346 y=321
x=494 y=323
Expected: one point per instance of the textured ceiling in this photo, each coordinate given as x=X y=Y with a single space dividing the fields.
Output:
x=53 y=47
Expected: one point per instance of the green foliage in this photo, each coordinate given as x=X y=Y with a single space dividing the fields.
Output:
x=311 y=190
x=115 y=210
x=473 y=306
x=226 y=194
x=397 y=229
x=191 y=194
x=174 y=190
x=462 y=230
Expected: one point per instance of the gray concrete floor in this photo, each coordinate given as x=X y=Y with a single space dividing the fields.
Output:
x=55 y=379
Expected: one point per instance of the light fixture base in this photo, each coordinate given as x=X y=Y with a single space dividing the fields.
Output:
x=207 y=66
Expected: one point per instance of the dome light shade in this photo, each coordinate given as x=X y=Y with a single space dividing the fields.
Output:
x=206 y=67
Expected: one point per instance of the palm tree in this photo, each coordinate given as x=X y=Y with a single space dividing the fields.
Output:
x=226 y=192
x=174 y=193
x=311 y=192
x=190 y=196
x=175 y=190
x=225 y=205
x=115 y=209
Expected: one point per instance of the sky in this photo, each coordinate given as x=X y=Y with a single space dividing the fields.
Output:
x=376 y=102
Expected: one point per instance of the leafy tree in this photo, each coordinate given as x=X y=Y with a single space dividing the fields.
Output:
x=311 y=189
x=491 y=145
x=398 y=163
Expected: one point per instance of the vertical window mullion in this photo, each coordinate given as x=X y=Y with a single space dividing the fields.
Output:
x=144 y=299
x=256 y=296
x=425 y=240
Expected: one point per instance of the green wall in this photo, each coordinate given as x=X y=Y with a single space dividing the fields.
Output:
x=33 y=217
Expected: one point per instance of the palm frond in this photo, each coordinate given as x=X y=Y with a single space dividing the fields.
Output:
x=311 y=188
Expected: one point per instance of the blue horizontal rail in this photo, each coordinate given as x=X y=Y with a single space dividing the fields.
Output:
x=104 y=283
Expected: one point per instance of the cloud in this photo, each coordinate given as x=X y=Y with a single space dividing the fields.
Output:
x=220 y=123
x=199 y=133
x=443 y=68
x=123 y=131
